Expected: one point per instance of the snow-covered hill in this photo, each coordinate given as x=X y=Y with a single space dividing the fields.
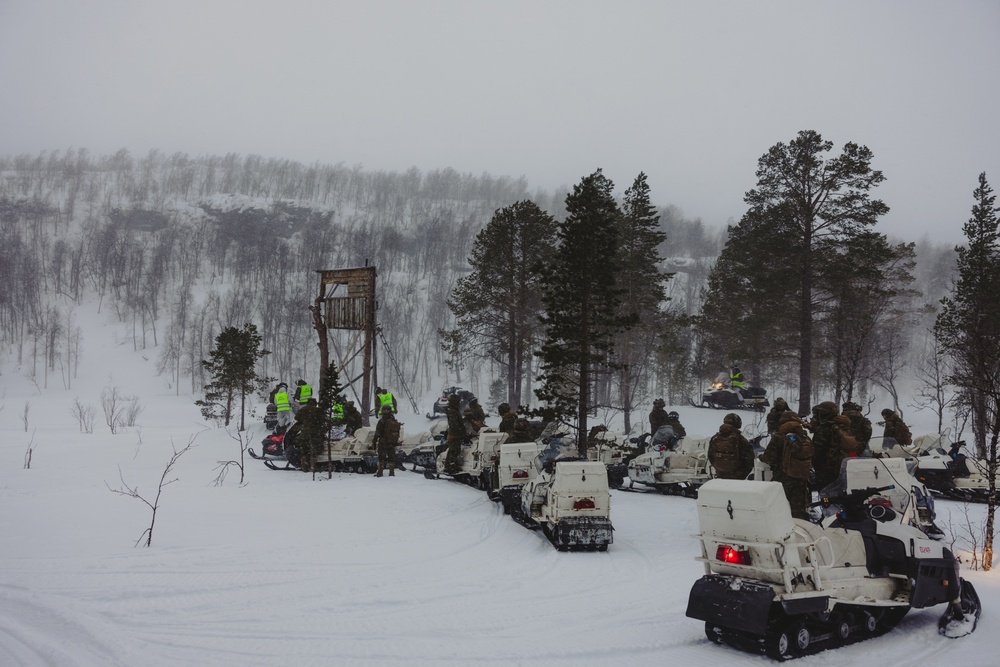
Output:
x=287 y=570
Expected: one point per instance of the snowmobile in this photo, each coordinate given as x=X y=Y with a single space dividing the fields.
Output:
x=271 y=417
x=479 y=454
x=611 y=450
x=441 y=404
x=273 y=448
x=789 y=587
x=568 y=499
x=941 y=465
x=671 y=465
x=422 y=450
x=341 y=453
x=349 y=453
x=721 y=396
x=513 y=470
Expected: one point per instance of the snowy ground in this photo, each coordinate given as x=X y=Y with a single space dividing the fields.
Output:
x=285 y=570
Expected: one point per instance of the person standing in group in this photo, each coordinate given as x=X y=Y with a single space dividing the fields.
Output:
x=789 y=454
x=832 y=442
x=507 y=418
x=384 y=397
x=303 y=392
x=311 y=428
x=774 y=416
x=456 y=435
x=283 y=404
x=861 y=427
x=895 y=428
x=386 y=438
x=729 y=452
x=658 y=416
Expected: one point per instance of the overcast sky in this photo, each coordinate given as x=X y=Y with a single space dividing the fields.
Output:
x=692 y=93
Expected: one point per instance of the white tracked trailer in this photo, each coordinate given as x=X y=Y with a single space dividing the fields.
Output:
x=788 y=587
x=515 y=469
x=569 y=500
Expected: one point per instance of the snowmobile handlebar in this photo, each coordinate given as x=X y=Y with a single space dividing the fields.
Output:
x=855 y=497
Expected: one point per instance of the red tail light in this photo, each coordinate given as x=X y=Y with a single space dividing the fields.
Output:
x=584 y=504
x=733 y=556
x=520 y=474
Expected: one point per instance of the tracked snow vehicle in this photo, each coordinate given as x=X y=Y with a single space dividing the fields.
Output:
x=349 y=453
x=422 y=451
x=479 y=454
x=568 y=499
x=440 y=408
x=723 y=397
x=788 y=587
x=941 y=465
x=274 y=449
x=672 y=466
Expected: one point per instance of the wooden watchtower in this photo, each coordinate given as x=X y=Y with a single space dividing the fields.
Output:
x=346 y=301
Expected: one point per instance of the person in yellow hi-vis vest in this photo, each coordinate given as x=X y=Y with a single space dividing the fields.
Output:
x=283 y=405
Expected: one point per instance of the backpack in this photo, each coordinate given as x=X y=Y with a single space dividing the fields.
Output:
x=391 y=434
x=903 y=435
x=724 y=453
x=798 y=454
x=842 y=438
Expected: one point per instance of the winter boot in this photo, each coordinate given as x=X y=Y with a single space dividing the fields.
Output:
x=392 y=468
x=378 y=473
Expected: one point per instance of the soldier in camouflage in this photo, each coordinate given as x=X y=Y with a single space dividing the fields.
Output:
x=456 y=435
x=861 y=427
x=385 y=444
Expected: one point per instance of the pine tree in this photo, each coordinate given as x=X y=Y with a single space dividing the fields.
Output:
x=868 y=281
x=497 y=305
x=643 y=293
x=330 y=393
x=746 y=314
x=812 y=205
x=232 y=365
x=581 y=292
x=968 y=328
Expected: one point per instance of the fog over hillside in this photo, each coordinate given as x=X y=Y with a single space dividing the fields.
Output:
x=180 y=247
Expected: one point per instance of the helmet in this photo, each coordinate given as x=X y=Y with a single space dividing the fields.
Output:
x=473 y=401
x=659 y=403
x=503 y=408
x=282 y=384
x=887 y=412
x=851 y=405
x=733 y=419
x=780 y=404
x=826 y=409
x=300 y=383
x=387 y=409
x=453 y=400
x=673 y=416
